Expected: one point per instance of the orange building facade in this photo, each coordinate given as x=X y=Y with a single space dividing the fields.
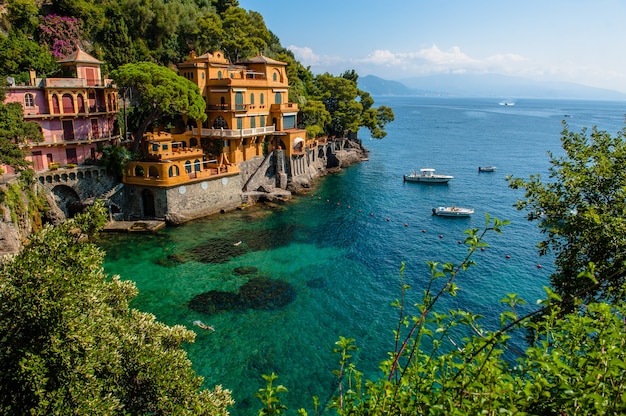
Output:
x=248 y=115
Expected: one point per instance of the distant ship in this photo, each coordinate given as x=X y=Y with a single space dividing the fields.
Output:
x=507 y=103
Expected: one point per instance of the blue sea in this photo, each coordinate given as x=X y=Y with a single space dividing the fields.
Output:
x=341 y=246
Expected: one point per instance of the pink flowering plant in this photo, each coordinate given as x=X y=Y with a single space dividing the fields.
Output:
x=60 y=34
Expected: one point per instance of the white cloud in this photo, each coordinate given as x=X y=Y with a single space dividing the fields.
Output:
x=307 y=57
x=388 y=64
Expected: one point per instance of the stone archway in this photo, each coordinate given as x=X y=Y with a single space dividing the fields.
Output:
x=67 y=200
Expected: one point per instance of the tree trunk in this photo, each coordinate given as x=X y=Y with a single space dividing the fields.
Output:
x=141 y=130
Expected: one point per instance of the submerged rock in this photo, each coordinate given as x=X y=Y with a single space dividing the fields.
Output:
x=242 y=271
x=258 y=293
x=264 y=293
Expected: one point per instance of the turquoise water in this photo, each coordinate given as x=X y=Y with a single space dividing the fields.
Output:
x=341 y=246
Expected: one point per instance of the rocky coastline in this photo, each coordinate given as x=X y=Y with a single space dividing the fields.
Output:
x=276 y=185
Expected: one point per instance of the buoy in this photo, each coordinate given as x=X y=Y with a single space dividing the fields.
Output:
x=460 y=242
x=348 y=206
x=440 y=235
x=507 y=256
x=360 y=211
x=482 y=249
x=387 y=218
x=423 y=231
x=371 y=214
x=406 y=225
x=539 y=266
x=338 y=203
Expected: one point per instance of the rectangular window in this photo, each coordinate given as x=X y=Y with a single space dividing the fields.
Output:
x=289 y=122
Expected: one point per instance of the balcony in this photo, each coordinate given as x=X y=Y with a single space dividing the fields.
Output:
x=283 y=108
x=234 y=134
x=75 y=83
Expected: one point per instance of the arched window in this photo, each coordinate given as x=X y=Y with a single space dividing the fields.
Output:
x=193 y=142
x=239 y=123
x=262 y=99
x=81 y=103
x=252 y=122
x=139 y=171
x=274 y=76
x=278 y=98
x=196 y=165
x=220 y=123
x=219 y=74
x=187 y=166
x=153 y=172
x=173 y=171
x=252 y=99
x=29 y=100
x=55 y=105
x=262 y=120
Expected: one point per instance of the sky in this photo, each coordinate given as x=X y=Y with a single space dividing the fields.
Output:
x=579 y=41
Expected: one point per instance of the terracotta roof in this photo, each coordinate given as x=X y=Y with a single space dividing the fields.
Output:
x=79 y=56
x=261 y=59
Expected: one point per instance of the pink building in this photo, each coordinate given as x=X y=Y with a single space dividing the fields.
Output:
x=75 y=113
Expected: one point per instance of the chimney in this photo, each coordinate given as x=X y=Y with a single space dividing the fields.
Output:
x=33 y=77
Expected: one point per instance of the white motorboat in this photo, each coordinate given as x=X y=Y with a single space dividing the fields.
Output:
x=427 y=175
x=453 y=211
x=486 y=168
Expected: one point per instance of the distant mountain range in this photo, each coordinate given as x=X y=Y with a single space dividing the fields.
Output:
x=497 y=86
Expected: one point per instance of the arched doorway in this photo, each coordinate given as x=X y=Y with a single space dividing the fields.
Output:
x=147 y=202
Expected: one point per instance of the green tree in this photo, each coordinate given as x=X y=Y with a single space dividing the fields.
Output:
x=70 y=343
x=245 y=34
x=159 y=92
x=19 y=54
x=14 y=131
x=349 y=107
x=210 y=33
x=114 y=40
x=23 y=15
x=581 y=211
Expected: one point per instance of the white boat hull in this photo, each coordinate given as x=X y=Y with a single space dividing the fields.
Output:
x=427 y=175
x=453 y=211
x=428 y=179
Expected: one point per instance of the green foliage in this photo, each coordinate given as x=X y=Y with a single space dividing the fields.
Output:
x=23 y=15
x=449 y=363
x=114 y=158
x=159 y=92
x=244 y=34
x=14 y=131
x=70 y=343
x=269 y=397
x=580 y=210
x=349 y=107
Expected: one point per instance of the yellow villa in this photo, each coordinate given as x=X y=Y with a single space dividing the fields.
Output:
x=248 y=115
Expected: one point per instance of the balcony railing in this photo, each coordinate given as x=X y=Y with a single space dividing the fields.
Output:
x=234 y=134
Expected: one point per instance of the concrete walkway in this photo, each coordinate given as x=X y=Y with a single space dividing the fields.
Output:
x=140 y=226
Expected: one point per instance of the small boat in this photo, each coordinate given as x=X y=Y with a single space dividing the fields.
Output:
x=427 y=175
x=453 y=211
x=486 y=168
x=507 y=103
